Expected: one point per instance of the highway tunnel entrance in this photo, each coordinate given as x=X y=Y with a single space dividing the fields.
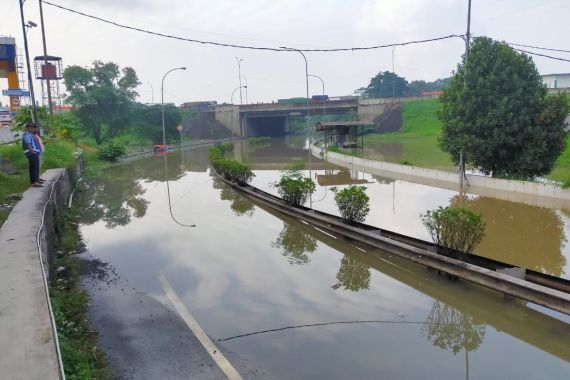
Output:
x=273 y=126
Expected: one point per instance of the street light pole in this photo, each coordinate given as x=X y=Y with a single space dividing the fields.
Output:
x=234 y=91
x=30 y=78
x=239 y=60
x=151 y=92
x=162 y=102
x=324 y=101
x=307 y=98
x=245 y=79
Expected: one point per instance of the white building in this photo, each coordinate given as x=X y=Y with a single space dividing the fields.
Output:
x=557 y=81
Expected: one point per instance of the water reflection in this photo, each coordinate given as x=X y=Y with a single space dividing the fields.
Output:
x=295 y=243
x=241 y=205
x=353 y=275
x=449 y=329
x=114 y=199
x=515 y=233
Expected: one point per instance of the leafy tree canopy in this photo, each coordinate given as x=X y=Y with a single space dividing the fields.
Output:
x=387 y=84
x=384 y=85
x=498 y=113
x=103 y=96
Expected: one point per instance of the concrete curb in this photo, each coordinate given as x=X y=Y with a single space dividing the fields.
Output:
x=30 y=348
x=531 y=193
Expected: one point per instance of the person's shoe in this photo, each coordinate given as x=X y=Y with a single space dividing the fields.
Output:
x=37 y=184
x=41 y=180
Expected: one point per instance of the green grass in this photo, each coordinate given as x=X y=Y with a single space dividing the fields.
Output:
x=82 y=359
x=418 y=138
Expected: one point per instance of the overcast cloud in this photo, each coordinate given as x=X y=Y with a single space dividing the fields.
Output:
x=212 y=71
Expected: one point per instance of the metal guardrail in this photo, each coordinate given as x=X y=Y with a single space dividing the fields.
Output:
x=542 y=289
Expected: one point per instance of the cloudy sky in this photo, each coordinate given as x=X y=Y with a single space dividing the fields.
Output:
x=212 y=71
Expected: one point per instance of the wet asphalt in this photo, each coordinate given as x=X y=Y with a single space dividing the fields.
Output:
x=144 y=338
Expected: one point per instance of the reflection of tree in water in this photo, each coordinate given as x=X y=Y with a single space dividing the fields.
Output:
x=114 y=198
x=352 y=275
x=519 y=234
x=450 y=329
x=241 y=205
x=295 y=243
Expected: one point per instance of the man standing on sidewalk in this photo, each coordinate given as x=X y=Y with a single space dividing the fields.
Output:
x=32 y=152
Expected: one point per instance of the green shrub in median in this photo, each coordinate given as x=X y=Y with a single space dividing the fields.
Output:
x=230 y=169
x=455 y=227
x=352 y=202
x=111 y=152
x=294 y=188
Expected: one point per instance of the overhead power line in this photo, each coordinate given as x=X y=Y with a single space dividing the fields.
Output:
x=204 y=42
x=538 y=47
x=542 y=55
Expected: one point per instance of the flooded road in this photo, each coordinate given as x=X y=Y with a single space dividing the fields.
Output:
x=302 y=304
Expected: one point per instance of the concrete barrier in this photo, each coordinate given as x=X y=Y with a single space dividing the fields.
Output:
x=532 y=193
x=29 y=348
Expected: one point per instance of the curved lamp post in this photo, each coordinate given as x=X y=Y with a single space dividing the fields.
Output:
x=162 y=102
x=307 y=89
x=239 y=60
x=324 y=102
x=234 y=91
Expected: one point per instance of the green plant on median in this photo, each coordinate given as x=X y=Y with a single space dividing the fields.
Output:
x=457 y=228
x=111 y=152
x=294 y=188
x=230 y=169
x=353 y=203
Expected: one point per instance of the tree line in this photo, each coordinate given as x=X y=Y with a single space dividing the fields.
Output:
x=386 y=84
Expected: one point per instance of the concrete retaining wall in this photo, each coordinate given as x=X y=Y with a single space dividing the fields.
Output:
x=27 y=240
x=532 y=193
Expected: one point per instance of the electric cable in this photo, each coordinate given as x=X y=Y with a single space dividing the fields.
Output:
x=542 y=55
x=538 y=47
x=221 y=44
x=320 y=324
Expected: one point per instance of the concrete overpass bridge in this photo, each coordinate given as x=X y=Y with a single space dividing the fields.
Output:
x=273 y=119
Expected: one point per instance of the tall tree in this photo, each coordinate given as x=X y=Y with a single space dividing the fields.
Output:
x=102 y=96
x=384 y=85
x=497 y=112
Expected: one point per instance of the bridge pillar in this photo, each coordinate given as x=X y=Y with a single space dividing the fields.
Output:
x=229 y=117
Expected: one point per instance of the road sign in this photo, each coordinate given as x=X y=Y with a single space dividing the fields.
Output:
x=179 y=128
x=15 y=92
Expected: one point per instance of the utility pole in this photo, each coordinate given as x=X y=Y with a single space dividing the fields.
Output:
x=30 y=77
x=239 y=75
x=466 y=57
x=46 y=72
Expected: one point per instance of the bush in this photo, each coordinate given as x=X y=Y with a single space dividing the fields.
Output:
x=457 y=228
x=230 y=169
x=111 y=152
x=352 y=202
x=294 y=188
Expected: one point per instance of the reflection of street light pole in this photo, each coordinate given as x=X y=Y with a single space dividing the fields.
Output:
x=245 y=79
x=239 y=60
x=151 y=92
x=307 y=88
x=162 y=102
x=30 y=79
x=234 y=91
x=324 y=100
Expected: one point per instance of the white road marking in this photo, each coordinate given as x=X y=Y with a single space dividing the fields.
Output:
x=207 y=343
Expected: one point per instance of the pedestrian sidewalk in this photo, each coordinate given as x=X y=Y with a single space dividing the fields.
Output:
x=28 y=349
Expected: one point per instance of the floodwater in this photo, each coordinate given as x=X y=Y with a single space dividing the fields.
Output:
x=303 y=304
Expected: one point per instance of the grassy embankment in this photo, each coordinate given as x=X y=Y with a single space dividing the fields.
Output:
x=419 y=135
